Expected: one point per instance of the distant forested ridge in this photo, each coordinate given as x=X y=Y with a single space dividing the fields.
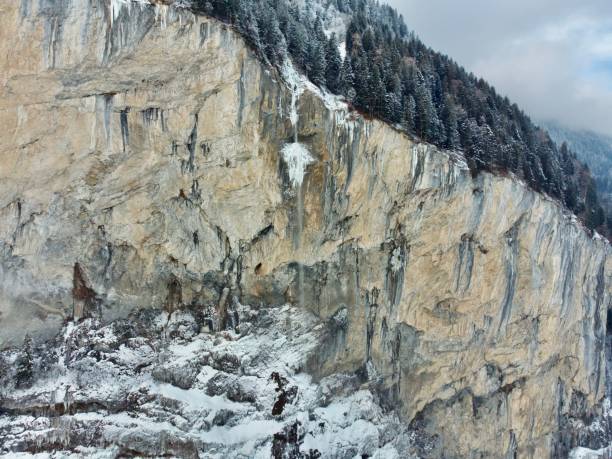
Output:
x=388 y=73
x=593 y=149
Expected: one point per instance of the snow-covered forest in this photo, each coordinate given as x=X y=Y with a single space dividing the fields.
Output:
x=385 y=71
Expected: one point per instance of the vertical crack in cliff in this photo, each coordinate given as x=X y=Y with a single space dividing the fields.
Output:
x=599 y=332
x=567 y=278
x=465 y=264
x=241 y=95
x=125 y=131
x=191 y=144
x=511 y=266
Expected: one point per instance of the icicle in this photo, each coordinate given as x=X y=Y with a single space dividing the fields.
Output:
x=117 y=5
x=161 y=13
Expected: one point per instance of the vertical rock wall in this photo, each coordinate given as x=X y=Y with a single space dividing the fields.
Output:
x=141 y=167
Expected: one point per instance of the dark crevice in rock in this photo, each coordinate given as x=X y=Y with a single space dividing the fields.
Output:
x=150 y=115
x=125 y=131
x=263 y=234
x=241 y=95
x=204 y=32
x=174 y=298
x=86 y=301
x=371 y=311
x=511 y=266
x=287 y=444
x=189 y=165
x=465 y=264
x=196 y=239
x=285 y=395
x=195 y=194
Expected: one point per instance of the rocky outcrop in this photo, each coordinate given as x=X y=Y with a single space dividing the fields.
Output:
x=143 y=167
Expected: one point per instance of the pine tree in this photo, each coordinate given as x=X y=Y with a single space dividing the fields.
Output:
x=377 y=92
x=275 y=45
x=409 y=114
x=334 y=65
x=426 y=118
x=347 y=80
x=362 y=72
x=316 y=63
x=5 y=372
x=297 y=43
x=24 y=373
x=247 y=25
x=393 y=109
x=450 y=125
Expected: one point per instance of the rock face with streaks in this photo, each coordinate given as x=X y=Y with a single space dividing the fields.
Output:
x=142 y=167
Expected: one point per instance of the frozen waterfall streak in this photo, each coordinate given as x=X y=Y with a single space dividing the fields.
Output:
x=117 y=5
x=161 y=10
x=297 y=158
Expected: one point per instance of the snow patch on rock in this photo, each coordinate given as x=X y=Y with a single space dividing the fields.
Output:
x=104 y=391
x=585 y=453
x=298 y=158
x=117 y=5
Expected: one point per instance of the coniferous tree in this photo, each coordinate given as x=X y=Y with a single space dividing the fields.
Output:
x=409 y=114
x=361 y=71
x=24 y=373
x=316 y=64
x=347 y=80
x=376 y=90
x=297 y=41
x=247 y=25
x=450 y=123
x=426 y=118
x=334 y=65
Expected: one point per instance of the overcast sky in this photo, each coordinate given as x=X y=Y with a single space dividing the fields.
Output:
x=552 y=57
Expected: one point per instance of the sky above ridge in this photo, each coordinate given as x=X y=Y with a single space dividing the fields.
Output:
x=552 y=57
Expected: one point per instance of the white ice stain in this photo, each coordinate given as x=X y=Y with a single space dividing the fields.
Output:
x=161 y=13
x=396 y=260
x=342 y=50
x=296 y=155
x=298 y=158
x=296 y=85
x=118 y=5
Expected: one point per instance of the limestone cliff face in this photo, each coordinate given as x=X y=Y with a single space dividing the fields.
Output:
x=141 y=167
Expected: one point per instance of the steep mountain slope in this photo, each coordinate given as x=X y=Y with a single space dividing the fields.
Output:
x=153 y=169
x=390 y=74
x=593 y=149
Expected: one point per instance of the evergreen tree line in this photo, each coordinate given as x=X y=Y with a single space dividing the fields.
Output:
x=390 y=74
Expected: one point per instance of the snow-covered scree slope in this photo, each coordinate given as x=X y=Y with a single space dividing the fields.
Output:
x=159 y=385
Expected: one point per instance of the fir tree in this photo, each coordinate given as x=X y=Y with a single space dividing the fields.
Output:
x=450 y=124
x=347 y=80
x=334 y=65
x=24 y=373
x=409 y=115
x=316 y=64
